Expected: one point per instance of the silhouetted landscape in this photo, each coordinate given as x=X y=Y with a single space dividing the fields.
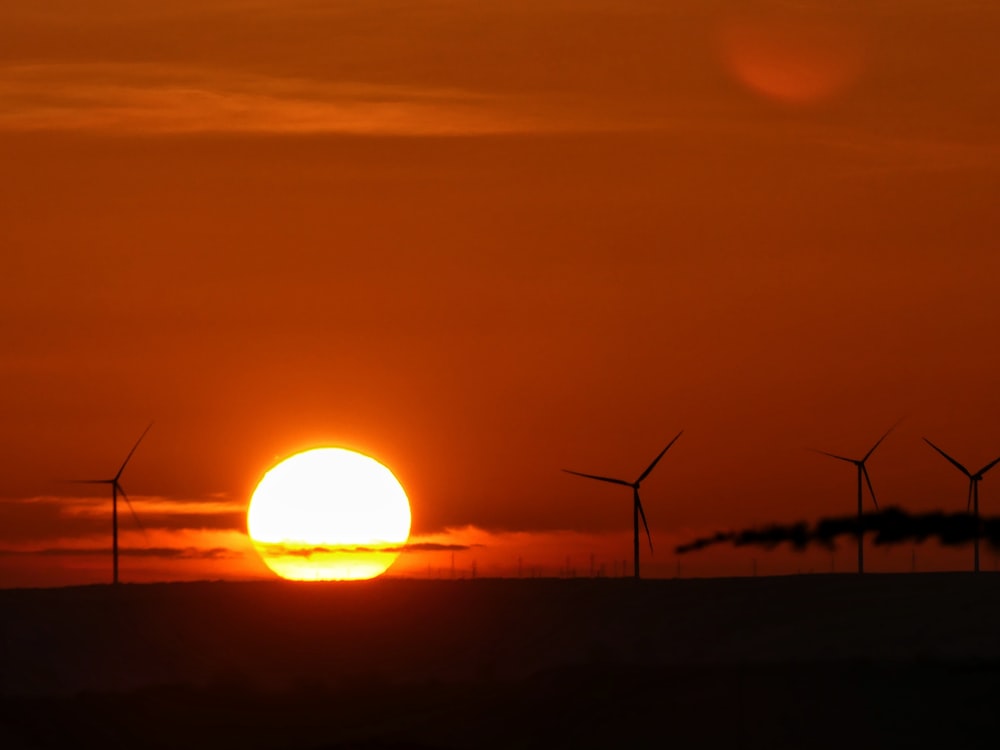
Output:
x=493 y=255
x=798 y=661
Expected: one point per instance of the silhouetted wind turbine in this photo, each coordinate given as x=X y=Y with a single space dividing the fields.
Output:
x=862 y=473
x=973 y=500
x=637 y=510
x=117 y=489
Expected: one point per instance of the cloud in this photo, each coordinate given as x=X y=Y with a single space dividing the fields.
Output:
x=49 y=518
x=883 y=154
x=309 y=551
x=438 y=547
x=160 y=99
x=169 y=553
x=890 y=526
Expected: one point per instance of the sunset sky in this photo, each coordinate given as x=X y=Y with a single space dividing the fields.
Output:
x=483 y=241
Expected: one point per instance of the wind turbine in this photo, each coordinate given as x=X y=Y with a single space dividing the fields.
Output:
x=862 y=473
x=117 y=489
x=973 y=500
x=637 y=511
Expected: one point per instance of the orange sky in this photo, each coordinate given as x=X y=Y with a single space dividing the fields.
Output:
x=483 y=241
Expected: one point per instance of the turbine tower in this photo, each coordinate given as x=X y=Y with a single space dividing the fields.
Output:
x=116 y=489
x=637 y=511
x=973 y=499
x=862 y=474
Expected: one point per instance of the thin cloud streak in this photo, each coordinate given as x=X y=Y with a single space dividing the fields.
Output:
x=165 y=99
x=147 y=99
x=886 y=154
x=319 y=549
x=43 y=519
x=166 y=553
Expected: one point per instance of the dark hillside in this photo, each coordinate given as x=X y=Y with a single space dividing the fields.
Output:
x=804 y=661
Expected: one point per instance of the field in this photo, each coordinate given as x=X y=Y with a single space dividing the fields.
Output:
x=798 y=661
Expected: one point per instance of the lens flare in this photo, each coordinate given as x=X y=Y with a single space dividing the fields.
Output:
x=793 y=56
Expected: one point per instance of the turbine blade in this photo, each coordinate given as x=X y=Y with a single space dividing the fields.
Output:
x=988 y=466
x=868 y=479
x=968 y=502
x=86 y=481
x=129 y=456
x=599 y=479
x=952 y=460
x=134 y=516
x=642 y=515
x=879 y=442
x=657 y=459
x=833 y=455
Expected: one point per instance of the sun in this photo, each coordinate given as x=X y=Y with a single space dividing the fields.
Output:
x=329 y=514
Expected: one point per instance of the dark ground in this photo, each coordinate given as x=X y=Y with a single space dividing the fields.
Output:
x=797 y=662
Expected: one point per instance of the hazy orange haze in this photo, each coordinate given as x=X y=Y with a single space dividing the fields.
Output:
x=484 y=241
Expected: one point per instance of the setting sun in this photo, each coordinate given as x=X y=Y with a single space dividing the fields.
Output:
x=329 y=514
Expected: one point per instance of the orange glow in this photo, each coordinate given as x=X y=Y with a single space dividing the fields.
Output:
x=329 y=514
x=481 y=242
x=796 y=58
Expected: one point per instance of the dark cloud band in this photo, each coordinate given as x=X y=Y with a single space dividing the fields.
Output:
x=309 y=551
x=169 y=553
